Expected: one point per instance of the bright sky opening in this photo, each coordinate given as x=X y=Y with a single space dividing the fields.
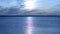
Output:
x=29 y=4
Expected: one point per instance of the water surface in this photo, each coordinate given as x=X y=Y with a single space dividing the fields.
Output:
x=29 y=25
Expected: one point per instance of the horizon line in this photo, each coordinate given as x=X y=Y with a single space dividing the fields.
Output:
x=29 y=15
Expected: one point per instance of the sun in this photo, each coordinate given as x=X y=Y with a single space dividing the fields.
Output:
x=29 y=4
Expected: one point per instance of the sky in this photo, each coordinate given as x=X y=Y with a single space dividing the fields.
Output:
x=44 y=6
x=47 y=3
x=38 y=3
x=8 y=3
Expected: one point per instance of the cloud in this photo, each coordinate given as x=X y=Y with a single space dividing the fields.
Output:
x=9 y=3
x=14 y=10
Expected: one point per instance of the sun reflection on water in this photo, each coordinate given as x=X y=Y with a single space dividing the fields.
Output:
x=29 y=25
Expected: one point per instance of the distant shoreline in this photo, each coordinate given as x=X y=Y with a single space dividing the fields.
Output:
x=29 y=15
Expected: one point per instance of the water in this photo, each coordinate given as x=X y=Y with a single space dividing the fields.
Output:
x=29 y=25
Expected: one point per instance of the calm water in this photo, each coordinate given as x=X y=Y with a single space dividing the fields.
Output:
x=29 y=25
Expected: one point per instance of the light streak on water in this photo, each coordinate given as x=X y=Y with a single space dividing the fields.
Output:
x=29 y=25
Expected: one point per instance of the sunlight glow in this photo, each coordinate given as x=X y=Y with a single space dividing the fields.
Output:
x=29 y=4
